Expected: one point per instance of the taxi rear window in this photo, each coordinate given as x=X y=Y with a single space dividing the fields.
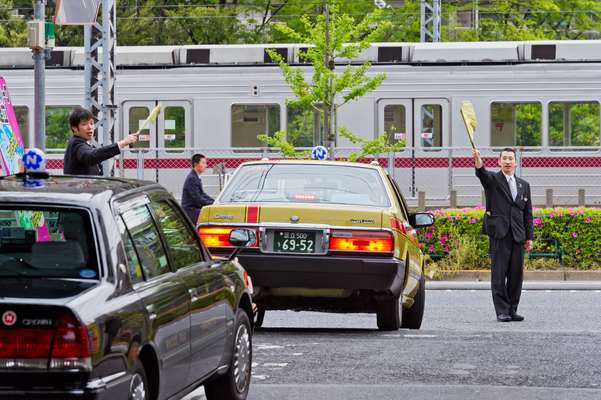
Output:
x=46 y=243
x=298 y=183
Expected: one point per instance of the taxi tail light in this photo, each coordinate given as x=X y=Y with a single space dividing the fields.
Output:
x=66 y=345
x=219 y=236
x=362 y=241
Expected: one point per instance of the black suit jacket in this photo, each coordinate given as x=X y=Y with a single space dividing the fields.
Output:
x=502 y=212
x=83 y=159
x=194 y=197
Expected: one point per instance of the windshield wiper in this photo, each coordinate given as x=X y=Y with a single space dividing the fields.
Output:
x=20 y=261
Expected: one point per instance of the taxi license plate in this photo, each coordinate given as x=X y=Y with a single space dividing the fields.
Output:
x=293 y=242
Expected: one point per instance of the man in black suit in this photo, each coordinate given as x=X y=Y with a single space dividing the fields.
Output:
x=508 y=223
x=193 y=196
x=81 y=158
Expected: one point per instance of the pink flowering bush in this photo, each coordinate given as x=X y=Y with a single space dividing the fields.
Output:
x=456 y=238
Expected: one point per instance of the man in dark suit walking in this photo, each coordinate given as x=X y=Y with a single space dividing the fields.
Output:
x=508 y=223
x=193 y=196
x=81 y=158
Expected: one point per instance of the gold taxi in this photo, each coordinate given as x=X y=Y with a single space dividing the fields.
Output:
x=331 y=236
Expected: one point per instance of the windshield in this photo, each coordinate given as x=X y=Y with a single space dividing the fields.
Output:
x=46 y=243
x=294 y=183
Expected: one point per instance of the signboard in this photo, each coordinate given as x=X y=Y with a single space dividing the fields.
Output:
x=11 y=142
x=81 y=12
x=469 y=118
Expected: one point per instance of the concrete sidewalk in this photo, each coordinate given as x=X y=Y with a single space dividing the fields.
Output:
x=528 y=285
x=555 y=275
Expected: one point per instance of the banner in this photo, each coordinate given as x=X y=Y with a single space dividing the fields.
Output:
x=11 y=142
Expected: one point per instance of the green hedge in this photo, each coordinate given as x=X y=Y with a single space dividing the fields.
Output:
x=456 y=240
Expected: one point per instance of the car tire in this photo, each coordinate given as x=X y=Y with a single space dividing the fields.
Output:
x=138 y=386
x=259 y=317
x=412 y=317
x=388 y=313
x=234 y=384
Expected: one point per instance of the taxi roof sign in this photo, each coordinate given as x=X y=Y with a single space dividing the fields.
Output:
x=319 y=153
x=82 y=12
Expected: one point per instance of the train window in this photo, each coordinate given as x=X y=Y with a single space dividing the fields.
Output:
x=58 y=131
x=516 y=124
x=431 y=130
x=574 y=123
x=394 y=123
x=175 y=128
x=250 y=120
x=304 y=126
x=22 y=114
x=137 y=115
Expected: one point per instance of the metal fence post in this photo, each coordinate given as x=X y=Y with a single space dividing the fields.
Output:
x=391 y=164
x=549 y=197
x=421 y=201
x=581 y=198
x=140 y=165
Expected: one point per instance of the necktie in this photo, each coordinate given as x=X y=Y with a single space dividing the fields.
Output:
x=512 y=187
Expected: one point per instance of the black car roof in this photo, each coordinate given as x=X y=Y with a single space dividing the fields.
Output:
x=74 y=186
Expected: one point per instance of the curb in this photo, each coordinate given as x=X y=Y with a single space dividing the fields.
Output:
x=484 y=275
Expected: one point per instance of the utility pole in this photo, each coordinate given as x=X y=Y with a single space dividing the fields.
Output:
x=39 y=80
x=328 y=106
x=430 y=21
x=101 y=74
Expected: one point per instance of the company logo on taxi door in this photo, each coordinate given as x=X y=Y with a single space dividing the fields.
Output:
x=9 y=318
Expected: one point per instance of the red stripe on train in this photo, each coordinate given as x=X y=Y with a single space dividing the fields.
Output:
x=405 y=162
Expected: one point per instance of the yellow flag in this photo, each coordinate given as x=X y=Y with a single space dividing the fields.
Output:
x=469 y=118
x=151 y=118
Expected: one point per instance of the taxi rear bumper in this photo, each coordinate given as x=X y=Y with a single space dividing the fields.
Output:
x=384 y=275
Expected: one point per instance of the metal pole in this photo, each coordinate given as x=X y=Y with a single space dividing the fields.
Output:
x=326 y=113
x=39 y=57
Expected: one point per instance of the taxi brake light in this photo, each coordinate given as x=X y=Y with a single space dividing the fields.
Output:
x=219 y=236
x=365 y=241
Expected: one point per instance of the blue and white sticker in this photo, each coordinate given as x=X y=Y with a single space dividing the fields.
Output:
x=87 y=273
x=319 y=153
x=34 y=160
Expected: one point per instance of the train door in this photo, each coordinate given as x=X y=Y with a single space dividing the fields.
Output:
x=430 y=142
x=161 y=146
x=395 y=120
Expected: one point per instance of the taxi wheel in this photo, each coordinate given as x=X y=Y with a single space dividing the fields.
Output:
x=234 y=384
x=259 y=317
x=388 y=314
x=412 y=317
x=138 y=387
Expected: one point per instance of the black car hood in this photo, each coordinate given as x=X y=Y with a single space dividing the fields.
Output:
x=36 y=288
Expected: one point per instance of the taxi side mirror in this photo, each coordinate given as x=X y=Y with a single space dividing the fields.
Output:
x=241 y=238
x=421 y=220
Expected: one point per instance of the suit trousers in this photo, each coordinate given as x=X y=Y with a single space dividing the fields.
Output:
x=507 y=273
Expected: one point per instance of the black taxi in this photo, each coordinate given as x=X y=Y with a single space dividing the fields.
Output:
x=106 y=292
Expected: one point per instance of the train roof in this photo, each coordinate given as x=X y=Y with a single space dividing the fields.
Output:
x=378 y=53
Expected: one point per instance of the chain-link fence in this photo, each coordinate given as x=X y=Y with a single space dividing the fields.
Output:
x=434 y=177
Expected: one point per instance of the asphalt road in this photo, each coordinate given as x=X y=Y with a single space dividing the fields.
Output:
x=461 y=352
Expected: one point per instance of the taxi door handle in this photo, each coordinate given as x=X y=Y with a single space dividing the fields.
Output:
x=152 y=315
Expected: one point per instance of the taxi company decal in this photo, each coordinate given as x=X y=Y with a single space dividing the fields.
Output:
x=252 y=214
x=9 y=318
x=224 y=216
x=362 y=221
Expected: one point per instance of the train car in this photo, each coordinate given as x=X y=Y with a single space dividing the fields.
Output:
x=541 y=97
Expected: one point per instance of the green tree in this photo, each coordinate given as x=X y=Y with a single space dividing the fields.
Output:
x=331 y=37
x=13 y=29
